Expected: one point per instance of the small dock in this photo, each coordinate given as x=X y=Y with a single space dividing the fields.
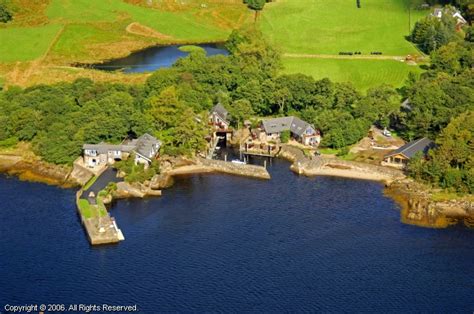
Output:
x=259 y=154
x=261 y=150
x=100 y=227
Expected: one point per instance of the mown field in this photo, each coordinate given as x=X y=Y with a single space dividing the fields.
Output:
x=362 y=73
x=328 y=27
x=63 y=32
x=323 y=27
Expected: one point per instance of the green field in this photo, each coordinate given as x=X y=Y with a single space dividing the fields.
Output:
x=323 y=27
x=26 y=43
x=328 y=27
x=182 y=25
x=94 y=31
x=91 y=24
x=362 y=73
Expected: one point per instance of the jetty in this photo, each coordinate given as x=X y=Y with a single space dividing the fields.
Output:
x=202 y=165
x=100 y=227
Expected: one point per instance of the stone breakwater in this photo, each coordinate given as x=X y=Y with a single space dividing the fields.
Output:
x=322 y=166
x=201 y=165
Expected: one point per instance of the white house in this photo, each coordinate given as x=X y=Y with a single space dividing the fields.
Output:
x=145 y=148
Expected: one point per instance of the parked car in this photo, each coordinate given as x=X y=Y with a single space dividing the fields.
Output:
x=386 y=133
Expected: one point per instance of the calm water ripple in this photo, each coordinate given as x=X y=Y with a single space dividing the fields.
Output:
x=222 y=243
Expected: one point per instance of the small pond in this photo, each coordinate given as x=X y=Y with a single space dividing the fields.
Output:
x=154 y=58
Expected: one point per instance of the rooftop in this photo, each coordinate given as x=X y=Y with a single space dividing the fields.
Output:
x=293 y=124
x=220 y=110
x=410 y=149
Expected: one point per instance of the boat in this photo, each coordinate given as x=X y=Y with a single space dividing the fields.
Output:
x=240 y=162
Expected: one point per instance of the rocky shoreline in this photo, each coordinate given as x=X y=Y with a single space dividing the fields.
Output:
x=36 y=170
x=415 y=199
x=419 y=208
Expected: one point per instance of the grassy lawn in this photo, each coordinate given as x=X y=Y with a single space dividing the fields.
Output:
x=85 y=208
x=90 y=211
x=362 y=73
x=26 y=43
x=328 y=27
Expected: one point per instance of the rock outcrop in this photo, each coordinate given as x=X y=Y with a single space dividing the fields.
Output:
x=37 y=171
x=419 y=207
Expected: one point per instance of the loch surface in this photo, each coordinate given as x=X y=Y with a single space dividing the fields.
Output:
x=232 y=244
x=153 y=58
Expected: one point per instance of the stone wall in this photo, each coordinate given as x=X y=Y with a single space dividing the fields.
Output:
x=245 y=170
x=318 y=165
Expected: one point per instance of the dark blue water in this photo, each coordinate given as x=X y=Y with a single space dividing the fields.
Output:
x=222 y=243
x=154 y=58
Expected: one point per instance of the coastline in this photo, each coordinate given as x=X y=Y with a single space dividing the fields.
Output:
x=35 y=170
x=416 y=201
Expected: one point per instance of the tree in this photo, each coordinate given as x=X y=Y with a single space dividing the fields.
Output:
x=256 y=5
x=451 y=163
x=452 y=58
x=431 y=32
x=240 y=110
x=5 y=14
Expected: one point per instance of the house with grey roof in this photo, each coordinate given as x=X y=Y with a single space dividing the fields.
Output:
x=145 y=148
x=300 y=130
x=399 y=158
x=219 y=117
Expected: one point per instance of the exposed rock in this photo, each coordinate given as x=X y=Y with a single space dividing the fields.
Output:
x=125 y=190
x=418 y=206
x=40 y=171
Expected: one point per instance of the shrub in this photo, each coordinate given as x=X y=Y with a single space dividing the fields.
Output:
x=5 y=14
x=285 y=136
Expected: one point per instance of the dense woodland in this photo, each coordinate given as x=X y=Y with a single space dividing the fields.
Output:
x=174 y=102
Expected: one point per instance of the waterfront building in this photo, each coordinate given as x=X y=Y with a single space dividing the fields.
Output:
x=145 y=149
x=219 y=118
x=399 y=158
x=300 y=130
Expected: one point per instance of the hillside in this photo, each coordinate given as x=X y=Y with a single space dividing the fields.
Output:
x=46 y=37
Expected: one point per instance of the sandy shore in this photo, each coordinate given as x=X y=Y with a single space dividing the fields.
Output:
x=349 y=173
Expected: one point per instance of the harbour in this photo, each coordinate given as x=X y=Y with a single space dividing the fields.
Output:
x=237 y=236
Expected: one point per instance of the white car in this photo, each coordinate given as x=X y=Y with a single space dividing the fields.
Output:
x=386 y=133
